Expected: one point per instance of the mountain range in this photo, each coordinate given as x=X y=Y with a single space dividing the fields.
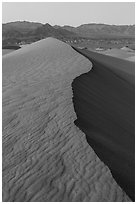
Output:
x=102 y=30
x=15 y=32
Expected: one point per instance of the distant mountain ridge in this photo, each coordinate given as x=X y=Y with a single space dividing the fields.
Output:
x=27 y=32
x=98 y=30
x=16 y=32
x=23 y=25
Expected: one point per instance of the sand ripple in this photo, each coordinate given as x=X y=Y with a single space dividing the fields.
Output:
x=45 y=156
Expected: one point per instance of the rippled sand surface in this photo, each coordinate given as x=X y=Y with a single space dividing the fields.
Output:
x=45 y=156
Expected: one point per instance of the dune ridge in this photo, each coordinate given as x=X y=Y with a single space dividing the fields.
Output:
x=45 y=156
x=104 y=102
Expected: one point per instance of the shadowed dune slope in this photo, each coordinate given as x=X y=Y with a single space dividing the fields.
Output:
x=45 y=156
x=104 y=102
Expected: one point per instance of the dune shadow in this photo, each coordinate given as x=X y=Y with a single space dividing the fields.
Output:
x=104 y=102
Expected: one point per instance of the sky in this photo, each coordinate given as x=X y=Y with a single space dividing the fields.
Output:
x=70 y=13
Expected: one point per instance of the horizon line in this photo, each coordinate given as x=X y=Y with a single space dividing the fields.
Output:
x=68 y=24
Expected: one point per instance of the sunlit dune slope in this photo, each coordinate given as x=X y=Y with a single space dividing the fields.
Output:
x=132 y=58
x=6 y=51
x=104 y=102
x=45 y=156
x=119 y=53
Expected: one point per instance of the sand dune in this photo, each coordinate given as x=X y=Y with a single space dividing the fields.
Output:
x=132 y=58
x=120 y=67
x=45 y=156
x=6 y=51
x=104 y=101
x=127 y=49
x=119 y=53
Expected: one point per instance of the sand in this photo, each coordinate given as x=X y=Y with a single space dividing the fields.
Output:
x=6 y=51
x=46 y=157
x=132 y=58
x=104 y=101
x=123 y=53
x=127 y=49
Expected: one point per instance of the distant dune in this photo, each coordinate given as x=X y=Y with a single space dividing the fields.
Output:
x=122 y=54
x=45 y=156
x=132 y=58
x=104 y=102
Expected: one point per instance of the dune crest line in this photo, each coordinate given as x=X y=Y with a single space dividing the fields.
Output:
x=45 y=156
x=104 y=102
